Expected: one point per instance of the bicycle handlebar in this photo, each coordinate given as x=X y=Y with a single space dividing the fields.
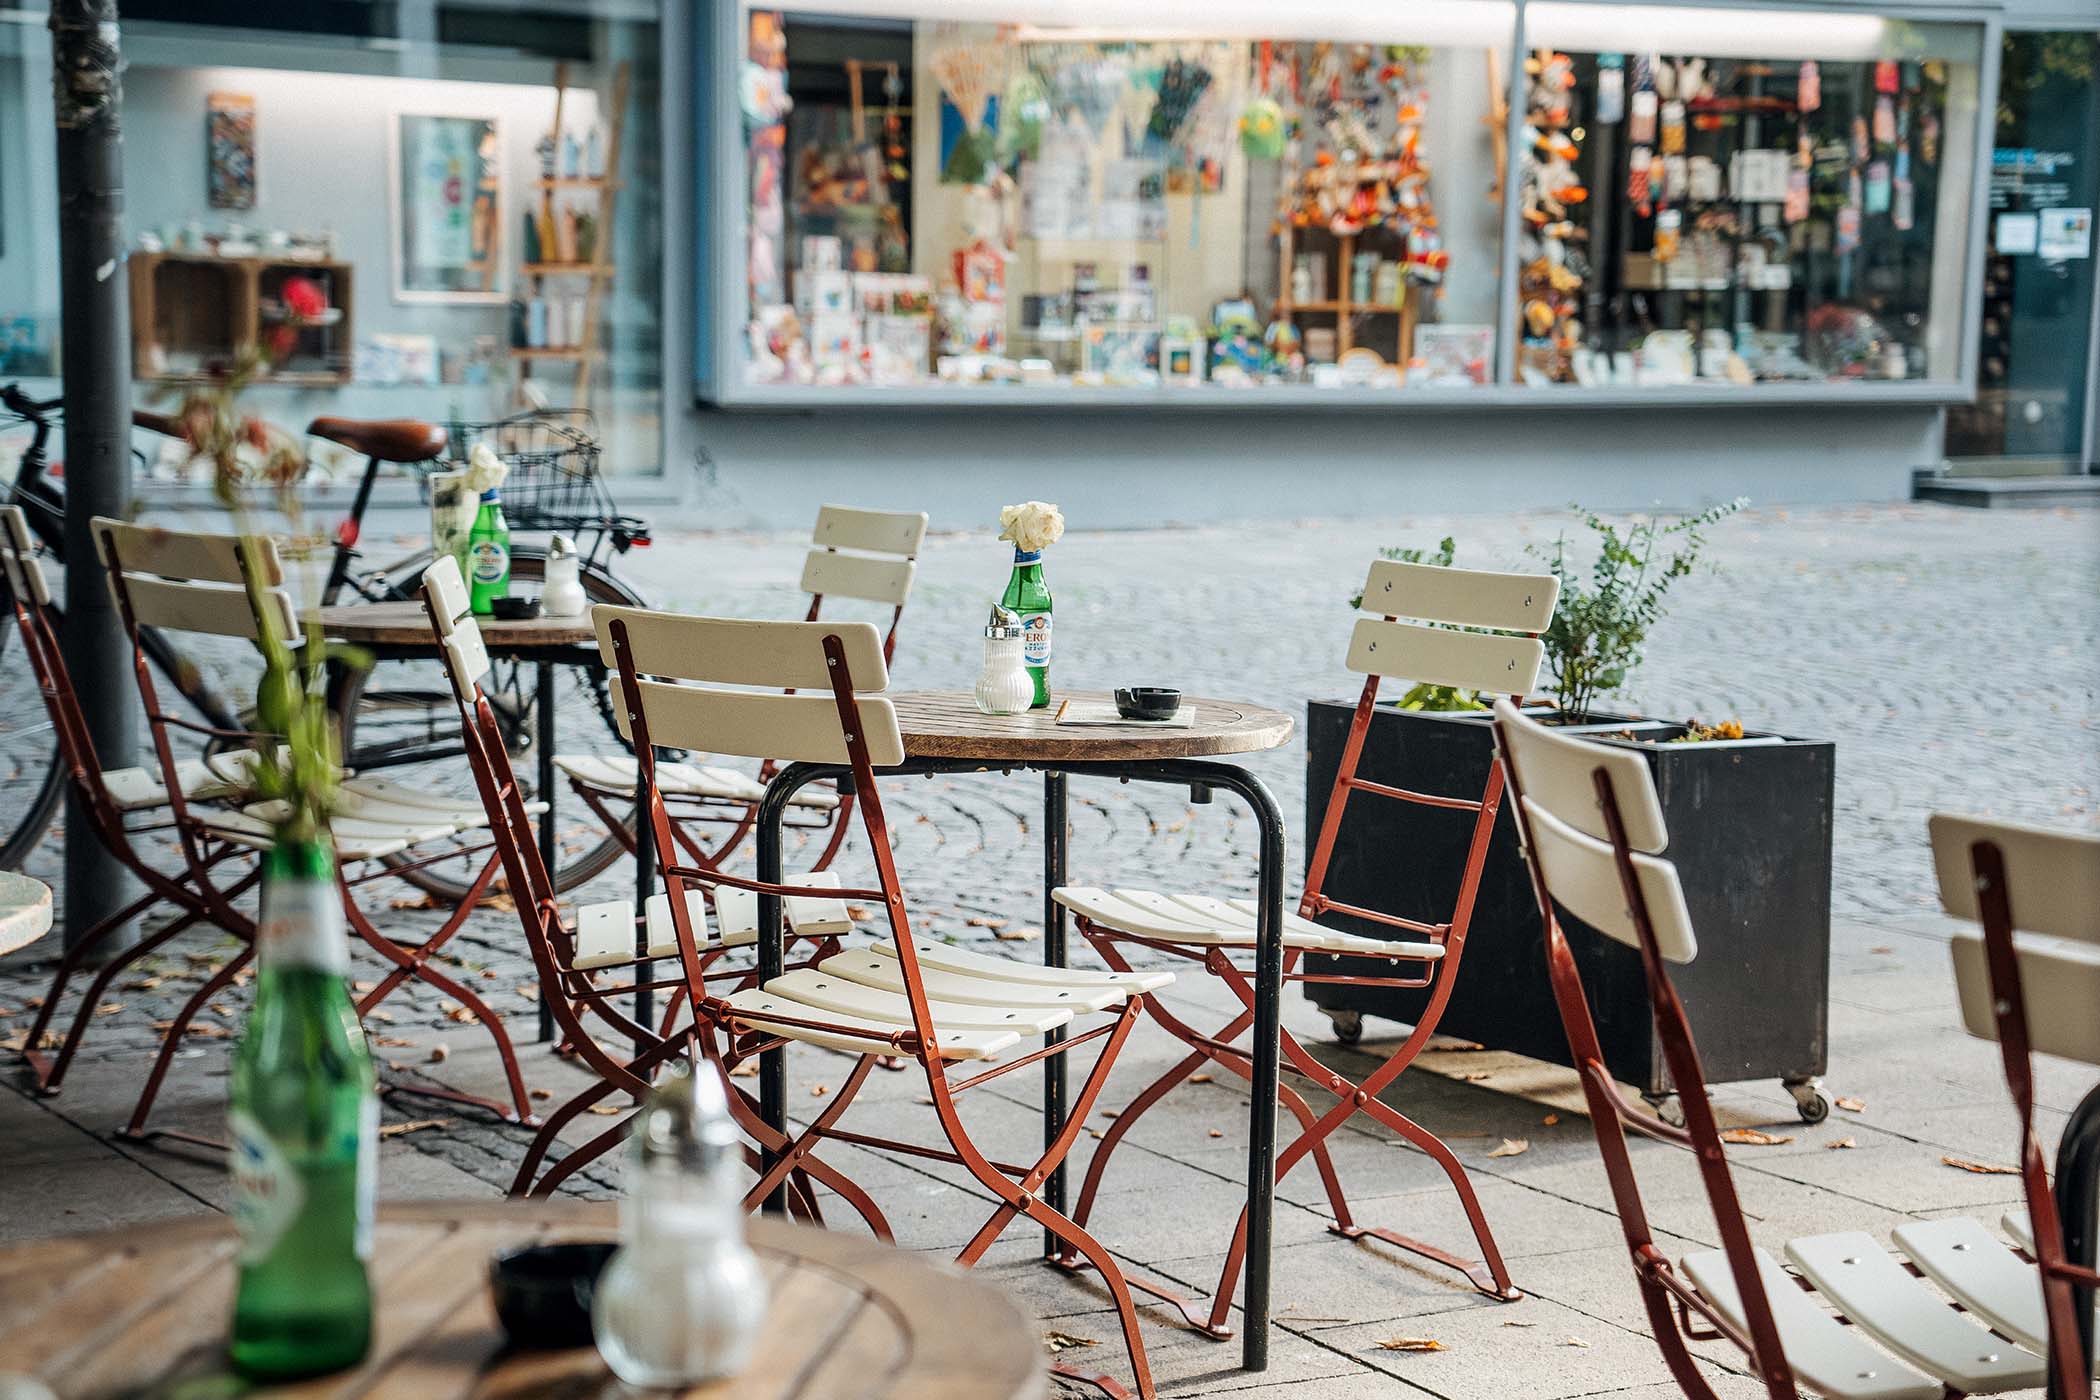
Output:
x=15 y=401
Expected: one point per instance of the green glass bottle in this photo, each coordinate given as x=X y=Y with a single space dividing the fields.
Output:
x=488 y=555
x=304 y=1120
x=1028 y=598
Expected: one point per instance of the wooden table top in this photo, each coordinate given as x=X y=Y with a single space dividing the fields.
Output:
x=143 y=1310
x=407 y=625
x=25 y=910
x=948 y=724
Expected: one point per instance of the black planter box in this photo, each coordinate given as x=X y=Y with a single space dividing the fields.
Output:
x=1749 y=829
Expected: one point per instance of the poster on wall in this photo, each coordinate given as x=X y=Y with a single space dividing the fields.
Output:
x=447 y=197
x=229 y=145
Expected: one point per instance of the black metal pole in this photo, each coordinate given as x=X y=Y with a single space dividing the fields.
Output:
x=2078 y=1208
x=87 y=100
x=1057 y=835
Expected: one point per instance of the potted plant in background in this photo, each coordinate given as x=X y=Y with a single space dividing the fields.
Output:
x=1749 y=816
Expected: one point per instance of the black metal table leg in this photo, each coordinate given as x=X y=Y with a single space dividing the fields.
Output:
x=546 y=795
x=772 y=1064
x=2078 y=1207
x=1056 y=841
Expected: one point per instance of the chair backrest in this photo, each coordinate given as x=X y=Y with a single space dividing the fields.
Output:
x=23 y=570
x=866 y=554
x=1499 y=654
x=2051 y=901
x=687 y=668
x=451 y=612
x=188 y=581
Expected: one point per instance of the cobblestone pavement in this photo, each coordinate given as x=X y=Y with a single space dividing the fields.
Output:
x=1950 y=654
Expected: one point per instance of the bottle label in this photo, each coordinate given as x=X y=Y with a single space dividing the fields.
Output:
x=1035 y=639
x=302 y=926
x=489 y=561
x=267 y=1192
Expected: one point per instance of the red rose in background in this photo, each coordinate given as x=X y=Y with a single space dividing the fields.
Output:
x=304 y=301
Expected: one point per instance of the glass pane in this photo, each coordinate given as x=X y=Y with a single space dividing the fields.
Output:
x=1756 y=203
x=1206 y=199
x=28 y=216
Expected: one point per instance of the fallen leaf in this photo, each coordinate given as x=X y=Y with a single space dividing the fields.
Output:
x=746 y=1069
x=607 y=1109
x=1451 y=1046
x=488 y=974
x=926 y=1099
x=413 y=1125
x=1475 y=1076
x=207 y=1032
x=1981 y=1168
x=109 y=1008
x=1550 y=1119
x=385 y=1016
x=1017 y=935
x=397 y=1066
x=1215 y=1132
x=818 y=1091
x=1751 y=1137
x=1511 y=1147
x=144 y=984
x=16 y=1043
x=1514 y=1323
x=362 y=986
x=1883 y=948
x=859 y=913
x=439 y=1053
x=1199 y=1079
x=1839 y=1144
x=543 y=1093
x=463 y=1016
x=529 y=990
x=1096 y=1134
x=1411 y=1344
x=994 y=924
x=394 y=1042
x=1851 y=1105
x=449 y=1006
x=1575 y=1342
x=1062 y=1341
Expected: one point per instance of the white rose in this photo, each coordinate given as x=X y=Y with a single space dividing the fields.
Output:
x=485 y=470
x=1032 y=525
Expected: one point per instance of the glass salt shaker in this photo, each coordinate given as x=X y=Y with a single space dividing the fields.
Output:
x=1004 y=686
x=682 y=1299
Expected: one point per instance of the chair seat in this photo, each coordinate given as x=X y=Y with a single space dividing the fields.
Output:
x=750 y=1008
x=605 y=931
x=871 y=968
x=1204 y=921
x=355 y=838
x=946 y=957
x=1984 y=1276
x=363 y=797
x=808 y=916
x=141 y=790
x=1831 y=1358
x=614 y=775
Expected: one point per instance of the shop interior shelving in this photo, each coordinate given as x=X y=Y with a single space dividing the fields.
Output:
x=194 y=313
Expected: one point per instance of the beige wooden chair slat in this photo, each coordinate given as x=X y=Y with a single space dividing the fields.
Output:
x=1486 y=661
x=752 y=1005
x=1583 y=875
x=2059 y=981
x=812 y=916
x=875 y=531
x=187 y=554
x=18 y=551
x=1981 y=1274
x=605 y=931
x=616 y=775
x=792 y=728
x=1464 y=597
x=739 y=651
x=858 y=576
x=1881 y=1296
x=1836 y=1360
x=447 y=593
x=2055 y=874
x=814 y=987
x=1558 y=772
x=354 y=841
x=871 y=968
x=216 y=609
x=949 y=958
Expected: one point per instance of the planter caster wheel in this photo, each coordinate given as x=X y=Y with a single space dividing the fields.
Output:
x=1809 y=1100
x=1348 y=1026
x=1666 y=1107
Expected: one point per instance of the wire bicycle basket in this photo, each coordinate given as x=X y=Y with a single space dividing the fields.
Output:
x=554 y=482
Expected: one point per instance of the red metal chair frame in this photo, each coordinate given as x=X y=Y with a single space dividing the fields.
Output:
x=201 y=850
x=1670 y=1299
x=2009 y=1008
x=1489 y=1275
x=1016 y=1186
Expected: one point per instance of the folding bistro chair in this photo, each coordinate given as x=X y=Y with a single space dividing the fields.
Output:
x=571 y=956
x=1210 y=931
x=897 y=996
x=186 y=582
x=112 y=799
x=1593 y=835
x=867 y=555
x=2031 y=993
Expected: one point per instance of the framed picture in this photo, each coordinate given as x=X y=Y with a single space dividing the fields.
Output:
x=229 y=126
x=445 y=189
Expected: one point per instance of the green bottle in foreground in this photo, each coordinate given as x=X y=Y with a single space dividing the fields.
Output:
x=304 y=1119
x=1028 y=598
x=488 y=555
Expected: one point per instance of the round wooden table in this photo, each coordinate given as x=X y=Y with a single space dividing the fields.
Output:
x=25 y=910
x=143 y=1310
x=944 y=732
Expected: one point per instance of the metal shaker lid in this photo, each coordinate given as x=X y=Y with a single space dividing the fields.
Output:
x=686 y=1118
x=1003 y=625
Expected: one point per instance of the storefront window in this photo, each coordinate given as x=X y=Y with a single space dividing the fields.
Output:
x=1184 y=198
x=392 y=216
x=1771 y=200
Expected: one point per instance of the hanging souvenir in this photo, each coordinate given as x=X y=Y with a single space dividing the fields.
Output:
x=1262 y=129
x=1638 y=192
x=1929 y=138
x=1885 y=121
x=1808 y=91
x=1886 y=79
x=1861 y=147
x=1673 y=128
x=1181 y=86
x=1640 y=126
x=762 y=94
x=1795 y=207
x=1877 y=188
x=1804 y=151
x=968 y=75
x=1611 y=89
x=1091 y=88
x=1704 y=185
x=1667 y=224
x=1664 y=76
x=1848 y=229
x=1693 y=81
x=1903 y=211
x=1677 y=178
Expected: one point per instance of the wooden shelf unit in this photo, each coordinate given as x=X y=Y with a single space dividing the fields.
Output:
x=1341 y=305
x=192 y=313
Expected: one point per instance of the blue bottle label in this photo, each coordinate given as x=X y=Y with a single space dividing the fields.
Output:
x=1035 y=639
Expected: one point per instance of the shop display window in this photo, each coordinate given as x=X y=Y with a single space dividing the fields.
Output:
x=1179 y=197
x=1764 y=200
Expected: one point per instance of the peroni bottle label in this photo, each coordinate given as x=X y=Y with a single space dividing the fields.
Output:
x=1035 y=640
x=489 y=560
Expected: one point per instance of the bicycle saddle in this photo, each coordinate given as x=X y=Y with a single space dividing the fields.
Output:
x=388 y=439
x=156 y=423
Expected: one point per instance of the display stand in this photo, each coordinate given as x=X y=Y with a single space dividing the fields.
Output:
x=1341 y=305
x=192 y=314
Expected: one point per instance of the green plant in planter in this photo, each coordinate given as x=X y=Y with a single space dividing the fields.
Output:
x=1426 y=696
x=1601 y=624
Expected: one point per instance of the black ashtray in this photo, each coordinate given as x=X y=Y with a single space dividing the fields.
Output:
x=543 y=1293
x=1148 y=702
x=515 y=609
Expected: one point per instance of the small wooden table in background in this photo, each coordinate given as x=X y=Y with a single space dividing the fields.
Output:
x=144 y=1311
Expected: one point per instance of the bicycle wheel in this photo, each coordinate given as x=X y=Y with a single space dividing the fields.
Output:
x=399 y=722
x=32 y=779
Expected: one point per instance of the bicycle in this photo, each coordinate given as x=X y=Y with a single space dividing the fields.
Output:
x=559 y=489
